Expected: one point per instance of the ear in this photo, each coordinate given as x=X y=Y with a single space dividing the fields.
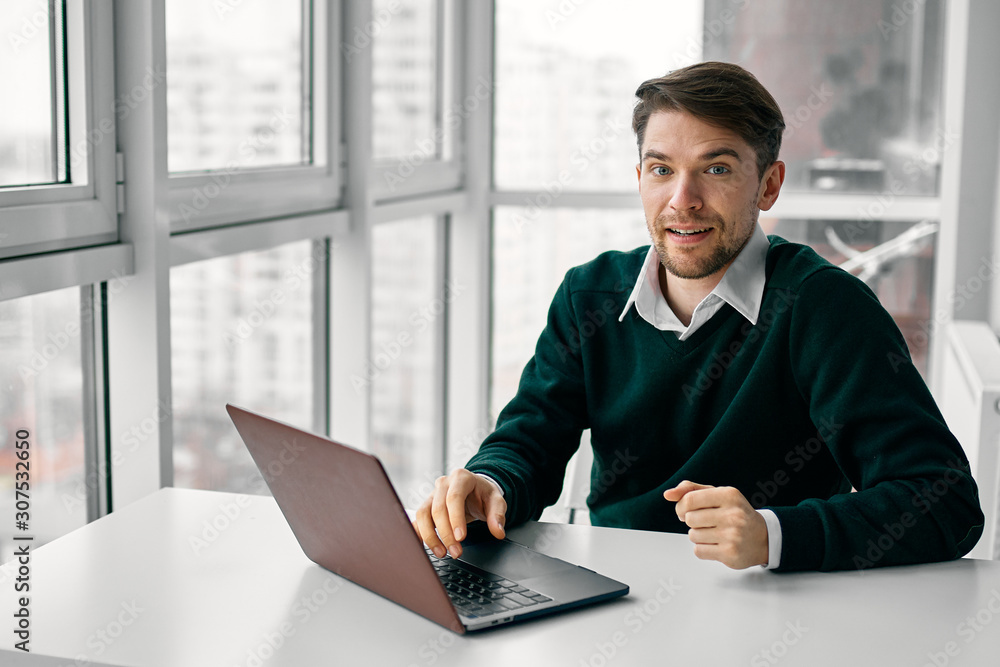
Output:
x=638 y=173
x=770 y=185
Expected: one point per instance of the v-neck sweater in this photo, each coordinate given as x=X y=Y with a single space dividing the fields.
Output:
x=818 y=397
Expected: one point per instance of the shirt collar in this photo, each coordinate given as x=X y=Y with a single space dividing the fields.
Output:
x=742 y=285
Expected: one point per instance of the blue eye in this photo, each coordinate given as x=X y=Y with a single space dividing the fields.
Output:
x=718 y=169
x=661 y=171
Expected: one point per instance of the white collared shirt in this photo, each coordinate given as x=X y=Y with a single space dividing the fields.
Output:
x=742 y=287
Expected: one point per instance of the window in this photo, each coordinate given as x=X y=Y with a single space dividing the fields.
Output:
x=564 y=99
x=415 y=120
x=405 y=368
x=236 y=96
x=532 y=253
x=242 y=333
x=33 y=131
x=57 y=126
x=249 y=121
x=41 y=373
x=406 y=101
x=859 y=84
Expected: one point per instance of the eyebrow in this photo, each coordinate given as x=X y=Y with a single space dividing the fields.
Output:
x=710 y=155
x=719 y=152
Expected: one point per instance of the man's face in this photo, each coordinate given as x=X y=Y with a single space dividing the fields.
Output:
x=701 y=193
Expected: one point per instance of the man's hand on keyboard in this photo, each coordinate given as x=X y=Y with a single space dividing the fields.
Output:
x=457 y=499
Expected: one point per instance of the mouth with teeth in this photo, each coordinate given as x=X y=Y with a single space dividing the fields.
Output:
x=688 y=235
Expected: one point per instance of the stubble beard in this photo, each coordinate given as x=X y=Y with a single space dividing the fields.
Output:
x=721 y=255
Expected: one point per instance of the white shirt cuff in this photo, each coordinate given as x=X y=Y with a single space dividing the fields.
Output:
x=496 y=484
x=773 y=539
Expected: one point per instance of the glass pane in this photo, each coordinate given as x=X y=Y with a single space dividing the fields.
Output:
x=241 y=332
x=32 y=116
x=405 y=114
x=42 y=387
x=236 y=98
x=566 y=75
x=859 y=83
x=903 y=280
x=407 y=311
x=531 y=254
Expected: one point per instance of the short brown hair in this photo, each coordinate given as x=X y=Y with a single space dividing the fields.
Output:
x=720 y=94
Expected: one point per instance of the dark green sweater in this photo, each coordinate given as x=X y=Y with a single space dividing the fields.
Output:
x=818 y=397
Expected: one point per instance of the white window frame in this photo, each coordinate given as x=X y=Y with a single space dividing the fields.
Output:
x=45 y=218
x=262 y=194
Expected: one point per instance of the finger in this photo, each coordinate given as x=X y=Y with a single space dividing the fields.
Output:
x=439 y=510
x=698 y=499
x=496 y=514
x=677 y=492
x=703 y=518
x=425 y=527
x=704 y=536
x=459 y=494
x=709 y=545
x=726 y=554
x=709 y=552
x=702 y=499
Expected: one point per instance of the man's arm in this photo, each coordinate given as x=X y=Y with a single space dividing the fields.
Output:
x=539 y=430
x=536 y=435
x=916 y=500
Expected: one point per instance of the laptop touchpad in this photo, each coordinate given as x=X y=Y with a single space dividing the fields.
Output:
x=511 y=560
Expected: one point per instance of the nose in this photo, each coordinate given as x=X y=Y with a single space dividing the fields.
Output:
x=685 y=196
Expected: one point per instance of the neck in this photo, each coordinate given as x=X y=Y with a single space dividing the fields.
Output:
x=684 y=294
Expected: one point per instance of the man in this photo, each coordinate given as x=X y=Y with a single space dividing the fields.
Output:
x=746 y=386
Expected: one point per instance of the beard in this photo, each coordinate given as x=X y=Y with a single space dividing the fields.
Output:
x=684 y=263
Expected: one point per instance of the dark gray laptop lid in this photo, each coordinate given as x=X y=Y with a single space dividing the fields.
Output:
x=336 y=497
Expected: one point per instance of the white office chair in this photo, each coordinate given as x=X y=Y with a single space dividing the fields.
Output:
x=572 y=504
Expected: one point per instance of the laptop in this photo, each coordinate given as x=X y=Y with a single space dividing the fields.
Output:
x=347 y=518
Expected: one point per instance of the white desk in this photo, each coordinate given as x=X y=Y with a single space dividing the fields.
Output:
x=136 y=575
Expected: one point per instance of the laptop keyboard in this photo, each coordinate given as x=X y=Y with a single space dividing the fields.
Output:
x=475 y=592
